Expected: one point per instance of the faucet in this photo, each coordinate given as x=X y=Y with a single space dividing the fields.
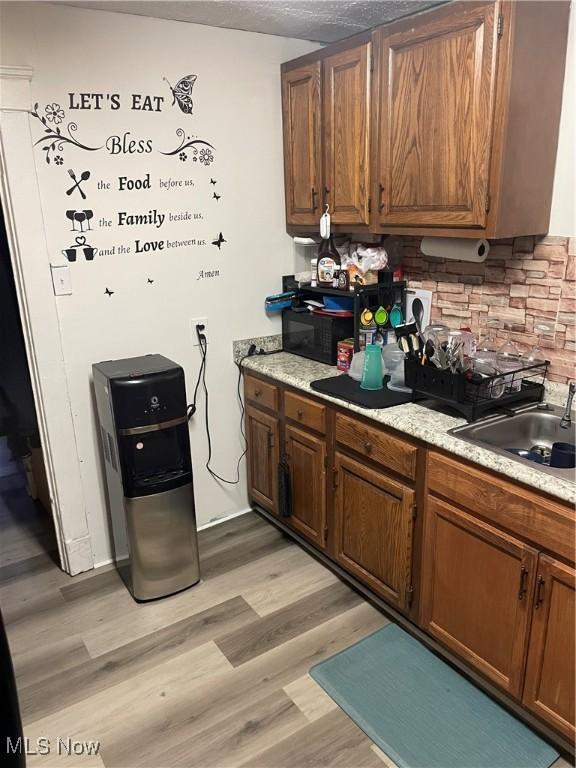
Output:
x=566 y=419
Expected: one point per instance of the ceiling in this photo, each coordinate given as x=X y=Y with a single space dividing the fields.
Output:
x=322 y=21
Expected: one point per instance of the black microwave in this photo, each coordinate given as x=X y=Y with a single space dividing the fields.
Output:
x=314 y=336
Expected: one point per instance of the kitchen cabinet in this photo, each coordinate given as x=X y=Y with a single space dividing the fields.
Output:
x=436 y=112
x=306 y=456
x=302 y=143
x=486 y=569
x=374 y=517
x=477 y=585
x=263 y=441
x=445 y=123
x=346 y=103
x=550 y=672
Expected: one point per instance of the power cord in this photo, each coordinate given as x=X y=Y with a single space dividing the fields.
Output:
x=191 y=409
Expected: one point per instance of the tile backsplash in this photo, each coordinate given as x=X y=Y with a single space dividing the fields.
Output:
x=521 y=282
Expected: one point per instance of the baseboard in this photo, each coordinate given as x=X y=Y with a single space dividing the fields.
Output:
x=218 y=520
x=210 y=524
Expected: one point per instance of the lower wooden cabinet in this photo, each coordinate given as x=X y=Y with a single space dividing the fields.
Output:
x=306 y=456
x=477 y=585
x=374 y=518
x=550 y=673
x=490 y=597
x=263 y=439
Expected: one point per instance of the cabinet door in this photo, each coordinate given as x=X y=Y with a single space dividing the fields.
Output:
x=477 y=592
x=307 y=460
x=435 y=121
x=549 y=688
x=374 y=522
x=346 y=134
x=263 y=457
x=302 y=143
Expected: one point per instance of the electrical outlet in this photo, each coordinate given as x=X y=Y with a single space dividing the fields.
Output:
x=195 y=322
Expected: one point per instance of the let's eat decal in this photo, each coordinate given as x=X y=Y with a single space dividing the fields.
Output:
x=128 y=186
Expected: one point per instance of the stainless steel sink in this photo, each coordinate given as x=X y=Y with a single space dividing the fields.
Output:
x=533 y=428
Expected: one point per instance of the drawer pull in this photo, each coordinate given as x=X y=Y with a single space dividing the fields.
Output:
x=257 y=392
x=522 y=587
x=300 y=413
x=368 y=447
x=539 y=592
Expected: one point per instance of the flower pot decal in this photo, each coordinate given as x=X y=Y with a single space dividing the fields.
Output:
x=80 y=243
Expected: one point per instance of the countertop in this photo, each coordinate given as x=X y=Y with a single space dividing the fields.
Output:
x=430 y=426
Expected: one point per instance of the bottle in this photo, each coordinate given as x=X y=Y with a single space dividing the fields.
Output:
x=314 y=272
x=328 y=262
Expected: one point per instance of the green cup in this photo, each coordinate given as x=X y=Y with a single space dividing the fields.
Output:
x=372 y=374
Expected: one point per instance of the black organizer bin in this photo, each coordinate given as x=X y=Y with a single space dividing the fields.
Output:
x=472 y=398
x=385 y=291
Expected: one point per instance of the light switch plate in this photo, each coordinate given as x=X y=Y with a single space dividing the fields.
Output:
x=61 y=280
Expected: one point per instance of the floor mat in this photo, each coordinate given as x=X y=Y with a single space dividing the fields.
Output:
x=423 y=713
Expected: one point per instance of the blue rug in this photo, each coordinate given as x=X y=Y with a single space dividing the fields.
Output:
x=421 y=712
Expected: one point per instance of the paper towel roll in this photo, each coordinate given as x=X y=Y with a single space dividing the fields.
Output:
x=456 y=248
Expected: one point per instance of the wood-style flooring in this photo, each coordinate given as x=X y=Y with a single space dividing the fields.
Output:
x=214 y=677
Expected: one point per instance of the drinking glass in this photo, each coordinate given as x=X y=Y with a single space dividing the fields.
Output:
x=508 y=360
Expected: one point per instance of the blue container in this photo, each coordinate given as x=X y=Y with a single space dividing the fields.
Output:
x=338 y=302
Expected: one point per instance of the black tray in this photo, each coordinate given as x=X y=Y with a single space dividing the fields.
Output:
x=345 y=388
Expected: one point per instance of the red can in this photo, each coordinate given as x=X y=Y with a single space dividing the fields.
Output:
x=344 y=354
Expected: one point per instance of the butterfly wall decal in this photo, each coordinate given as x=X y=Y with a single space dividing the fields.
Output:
x=219 y=240
x=108 y=292
x=216 y=197
x=182 y=93
x=150 y=280
x=212 y=181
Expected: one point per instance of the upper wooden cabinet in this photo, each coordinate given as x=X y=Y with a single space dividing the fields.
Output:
x=445 y=123
x=346 y=134
x=434 y=126
x=302 y=143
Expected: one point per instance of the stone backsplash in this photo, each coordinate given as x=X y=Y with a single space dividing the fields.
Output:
x=521 y=282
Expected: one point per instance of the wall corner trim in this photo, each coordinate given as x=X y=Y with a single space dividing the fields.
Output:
x=15 y=92
x=23 y=72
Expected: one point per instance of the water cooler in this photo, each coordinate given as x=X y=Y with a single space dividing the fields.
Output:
x=146 y=447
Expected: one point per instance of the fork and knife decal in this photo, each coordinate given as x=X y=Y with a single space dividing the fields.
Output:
x=84 y=176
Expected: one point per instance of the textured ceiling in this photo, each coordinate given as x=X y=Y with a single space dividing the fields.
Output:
x=323 y=21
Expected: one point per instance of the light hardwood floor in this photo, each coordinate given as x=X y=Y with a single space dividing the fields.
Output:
x=215 y=677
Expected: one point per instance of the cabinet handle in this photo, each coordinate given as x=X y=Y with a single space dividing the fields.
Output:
x=314 y=196
x=522 y=587
x=368 y=447
x=257 y=392
x=380 y=190
x=539 y=592
x=326 y=193
x=299 y=413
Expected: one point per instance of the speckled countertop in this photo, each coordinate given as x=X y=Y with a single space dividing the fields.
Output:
x=430 y=426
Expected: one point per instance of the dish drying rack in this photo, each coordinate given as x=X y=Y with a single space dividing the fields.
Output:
x=473 y=397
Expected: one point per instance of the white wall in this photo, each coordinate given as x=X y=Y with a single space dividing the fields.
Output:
x=237 y=110
x=563 y=213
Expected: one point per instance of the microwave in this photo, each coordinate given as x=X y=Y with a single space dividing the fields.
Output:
x=314 y=336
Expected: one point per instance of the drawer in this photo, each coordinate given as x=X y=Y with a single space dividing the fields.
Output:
x=549 y=525
x=305 y=412
x=261 y=392
x=391 y=452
